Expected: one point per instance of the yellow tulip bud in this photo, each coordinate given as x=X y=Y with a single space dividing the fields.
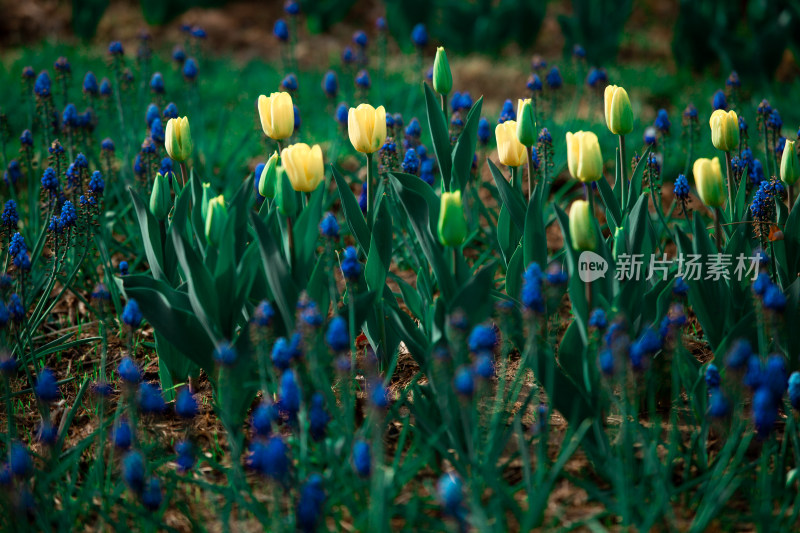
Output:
x=581 y=226
x=442 y=77
x=619 y=115
x=452 y=224
x=216 y=220
x=584 y=159
x=526 y=125
x=708 y=181
x=724 y=130
x=510 y=151
x=277 y=115
x=178 y=139
x=160 y=198
x=789 y=164
x=366 y=127
x=266 y=182
x=303 y=166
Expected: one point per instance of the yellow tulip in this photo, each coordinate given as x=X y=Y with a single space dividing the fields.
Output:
x=619 y=115
x=303 y=165
x=724 y=130
x=178 y=139
x=581 y=227
x=510 y=151
x=277 y=115
x=708 y=181
x=366 y=127
x=584 y=159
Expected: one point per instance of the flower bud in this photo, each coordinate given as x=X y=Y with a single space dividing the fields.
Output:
x=205 y=200
x=724 y=130
x=526 y=125
x=584 y=159
x=303 y=165
x=277 y=115
x=708 y=181
x=160 y=200
x=216 y=220
x=789 y=164
x=442 y=77
x=366 y=127
x=619 y=115
x=452 y=224
x=510 y=151
x=266 y=183
x=285 y=194
x=178 y=139
x=581 y=227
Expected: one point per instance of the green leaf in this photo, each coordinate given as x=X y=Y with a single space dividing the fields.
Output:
x=474 y=297
x=514 y=274
x=464 y=149
x=352 y=212
x=534 y=241
x=439 y=135
x=279 y=277
x=512 y=198
x=151 y=235
x=610 y=200
x=635 y=188
x=202 y=293
x=170 y=313
x=380 y=251
x=417 y=211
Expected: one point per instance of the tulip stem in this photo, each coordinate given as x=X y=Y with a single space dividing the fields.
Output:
x=623 y=172
x=729 y=170
x=718 y=227
x=370 y=193
x=444 y=107
x=529 y=151
x=789 y=198
x=184 y=174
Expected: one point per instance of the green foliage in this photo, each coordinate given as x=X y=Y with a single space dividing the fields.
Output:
x=598 y=26
x=483 y=25
x=748 y=37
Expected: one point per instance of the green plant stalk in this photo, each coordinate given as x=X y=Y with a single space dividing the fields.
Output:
x=351 y=382
x=529 y=151
x=444 y=107
x=729 y=170
x=370 y=192
x=766 y=149
x=623 y=174
x=718 y=228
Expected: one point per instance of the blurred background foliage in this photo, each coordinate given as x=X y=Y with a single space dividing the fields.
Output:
x=750 y=36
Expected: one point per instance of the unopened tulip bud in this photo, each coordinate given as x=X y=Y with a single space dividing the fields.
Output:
x=510 y=151
x=216 y=220
x=708 y=181
x=581 y=226
x=452 y=224
x=442 y=77
x=160 y=201
x=619 y=115
x=789 y=164
x=584 y=159
x=285 y=194
x=276 y=112
x=266 y=183
x=526 y=125
x=178 y=139
x=724 y=130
